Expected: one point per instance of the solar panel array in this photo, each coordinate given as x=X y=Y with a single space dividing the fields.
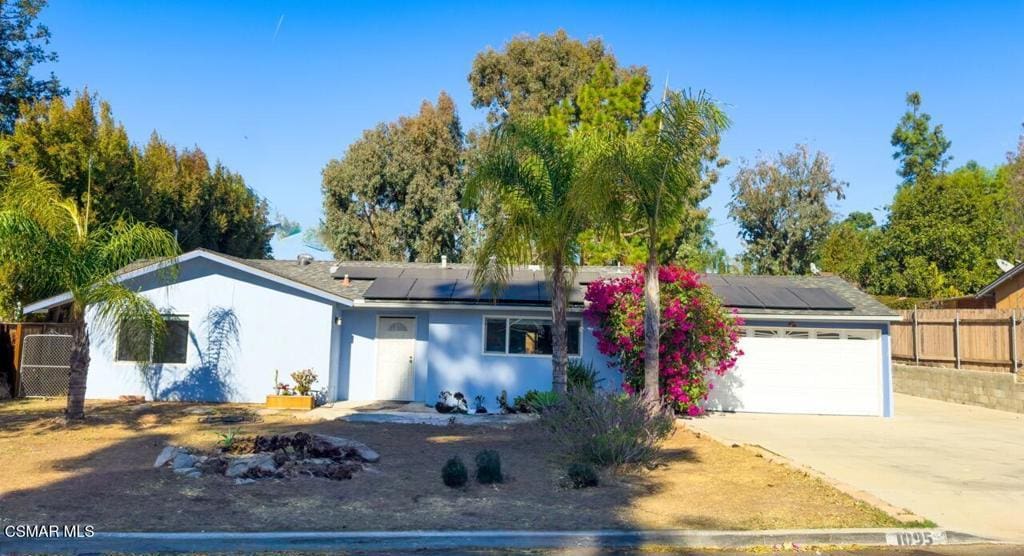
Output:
x=529 y=287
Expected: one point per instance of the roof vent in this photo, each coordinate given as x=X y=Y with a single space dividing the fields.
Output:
x=304 y=259
x=444 y=261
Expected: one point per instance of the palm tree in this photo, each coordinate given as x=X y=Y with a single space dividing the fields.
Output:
x=50 y=239
x=657 y=172
x=526 y=179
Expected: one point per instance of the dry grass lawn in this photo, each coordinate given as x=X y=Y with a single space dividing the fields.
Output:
x=100 y=473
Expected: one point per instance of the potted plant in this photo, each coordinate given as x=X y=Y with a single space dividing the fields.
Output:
x=299 y=397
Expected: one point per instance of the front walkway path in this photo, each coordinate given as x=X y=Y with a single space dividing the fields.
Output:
x=960 y=466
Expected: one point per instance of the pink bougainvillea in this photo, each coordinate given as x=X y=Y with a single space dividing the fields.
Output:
x=698 y=336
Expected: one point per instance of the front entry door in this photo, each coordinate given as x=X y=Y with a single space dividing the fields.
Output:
x=396 y=344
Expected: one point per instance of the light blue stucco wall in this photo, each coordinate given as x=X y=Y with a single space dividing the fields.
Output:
x=357 y=368
x=457 y=361
x=449 y=356
x=888 y=409
x=278 y=328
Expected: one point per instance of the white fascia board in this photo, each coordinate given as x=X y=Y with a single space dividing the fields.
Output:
x=836 y=318
x=197 y=254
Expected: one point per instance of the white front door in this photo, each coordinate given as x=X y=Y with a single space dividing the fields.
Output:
x=803 y=370
x=396 y=345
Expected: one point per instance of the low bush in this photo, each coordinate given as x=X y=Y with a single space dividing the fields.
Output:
x=535 y=401
x=454 y=473
x=582 y=475
x=583 y=376
x=607 y=429
x=488 y=467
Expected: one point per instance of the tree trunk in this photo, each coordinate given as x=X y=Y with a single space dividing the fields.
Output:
x=78 y=373
x=559 y=332
x=652 y=325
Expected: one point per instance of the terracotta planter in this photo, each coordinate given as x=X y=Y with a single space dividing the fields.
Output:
x=290 y=402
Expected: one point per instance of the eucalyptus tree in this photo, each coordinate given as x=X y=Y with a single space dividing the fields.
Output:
x=50 y=240
x=658 y=171
x=528 y=177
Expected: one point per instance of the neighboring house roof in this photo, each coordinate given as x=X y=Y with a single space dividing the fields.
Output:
x=1000 y=280
x=326 y=279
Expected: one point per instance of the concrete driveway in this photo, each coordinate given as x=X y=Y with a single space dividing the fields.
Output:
x=960 y=466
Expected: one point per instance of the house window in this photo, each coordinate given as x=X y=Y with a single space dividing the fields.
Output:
x=135 y=343
x=800 y=334
x=526 y=336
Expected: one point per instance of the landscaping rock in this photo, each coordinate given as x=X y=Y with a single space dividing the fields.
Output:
x=258 y=465
x=166 y=455
x=200 y=410
x=333 y=446
x=241 y=481
x=183 y=460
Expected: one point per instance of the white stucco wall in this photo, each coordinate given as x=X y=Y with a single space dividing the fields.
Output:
x=278 y=328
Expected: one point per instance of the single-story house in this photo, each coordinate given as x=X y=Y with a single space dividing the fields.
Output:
x=1006 y=291
x=406 y=331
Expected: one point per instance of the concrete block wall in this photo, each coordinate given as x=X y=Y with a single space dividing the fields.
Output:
x=994 y=390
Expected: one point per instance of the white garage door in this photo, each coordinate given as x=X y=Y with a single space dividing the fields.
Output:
x=804 y=370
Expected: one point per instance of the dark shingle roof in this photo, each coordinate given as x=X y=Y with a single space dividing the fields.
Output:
x=318 y=274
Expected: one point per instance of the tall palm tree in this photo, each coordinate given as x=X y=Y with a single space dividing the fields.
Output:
x=526 y=180
x=50 y=239
x=656 y=171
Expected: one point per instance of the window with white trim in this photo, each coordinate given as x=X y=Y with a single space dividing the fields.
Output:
x=808 y=333
x=135 y=343
x=526 y=336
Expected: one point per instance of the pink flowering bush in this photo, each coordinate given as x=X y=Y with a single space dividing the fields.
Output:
x=698 y=336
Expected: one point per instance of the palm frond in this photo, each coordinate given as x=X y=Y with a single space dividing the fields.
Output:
x=116 y=305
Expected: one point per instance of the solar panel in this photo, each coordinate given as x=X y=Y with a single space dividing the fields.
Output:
x=431 y=289
x=777 y=298
x=820 y=298
x=357 y=272
x=436 y=273
x=737 y=296
x=389 y=288
x=522 y=292
x=465 y=290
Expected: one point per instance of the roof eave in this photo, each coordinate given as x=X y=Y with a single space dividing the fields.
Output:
x=60 y=299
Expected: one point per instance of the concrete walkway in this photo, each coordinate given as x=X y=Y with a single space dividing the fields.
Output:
x=960 y=466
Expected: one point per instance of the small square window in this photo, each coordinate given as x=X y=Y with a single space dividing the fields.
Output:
x=135 y=343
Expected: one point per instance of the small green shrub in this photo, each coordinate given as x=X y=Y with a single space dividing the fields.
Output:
x=607 y=429
x=535 y=401
x=583 y=376
x=582 y=475
x=454 y=473
x=488 y=467
x=227 y=439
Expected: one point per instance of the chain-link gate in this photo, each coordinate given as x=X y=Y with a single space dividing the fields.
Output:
x=45 y=364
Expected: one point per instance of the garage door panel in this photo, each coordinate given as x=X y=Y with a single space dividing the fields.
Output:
x=780 y=374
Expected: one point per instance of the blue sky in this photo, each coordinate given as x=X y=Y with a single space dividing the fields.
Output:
x=276 y=89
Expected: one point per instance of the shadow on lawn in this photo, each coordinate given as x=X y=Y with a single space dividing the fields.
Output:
x=116 y=488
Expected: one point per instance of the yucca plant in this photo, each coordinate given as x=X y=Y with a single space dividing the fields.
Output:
x=51 y=240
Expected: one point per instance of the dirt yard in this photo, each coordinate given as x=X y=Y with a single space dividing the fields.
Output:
x=100 y=473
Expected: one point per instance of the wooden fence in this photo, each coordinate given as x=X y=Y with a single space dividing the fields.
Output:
x=11 y=337
x=982 y=339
